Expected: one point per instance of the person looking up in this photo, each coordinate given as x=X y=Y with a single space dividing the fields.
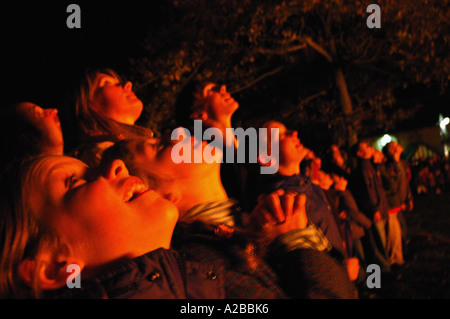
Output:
x=105 y=111
x=29 y=130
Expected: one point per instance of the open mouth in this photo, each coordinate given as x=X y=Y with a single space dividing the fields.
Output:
x=136 y=189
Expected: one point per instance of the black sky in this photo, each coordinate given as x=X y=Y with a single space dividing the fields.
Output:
x=40 y=53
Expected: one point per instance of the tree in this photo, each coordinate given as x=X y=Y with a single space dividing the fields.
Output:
x=314 y=63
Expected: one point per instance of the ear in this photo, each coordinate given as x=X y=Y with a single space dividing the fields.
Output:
x=173 y=196
x=203 y=116
x=53 y=274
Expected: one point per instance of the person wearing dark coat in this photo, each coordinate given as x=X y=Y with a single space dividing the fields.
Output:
x=290 y=178
x=77 y=232
x=399 y=197
x=365 y=185
x=211 y=230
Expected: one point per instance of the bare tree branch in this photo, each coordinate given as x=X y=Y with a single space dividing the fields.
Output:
x=318 y=48
x=260 y=78
x=282 y=51
x=312 y=97
x=305 y=101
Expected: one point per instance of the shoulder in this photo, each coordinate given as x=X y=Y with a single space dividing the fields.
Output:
x=315 y=274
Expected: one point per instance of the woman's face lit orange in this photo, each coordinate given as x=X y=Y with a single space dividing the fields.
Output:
x=104 y=214
x=116 y=100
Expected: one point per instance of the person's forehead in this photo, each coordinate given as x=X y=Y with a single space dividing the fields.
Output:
x=207 y=87
x=105 y=75
x=27 y=107
x=47 y=167
x=101 y=77
x=44 y=176
x=275 y=124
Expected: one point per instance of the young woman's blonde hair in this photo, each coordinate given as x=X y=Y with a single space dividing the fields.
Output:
x=22 y=236
x=90 y=122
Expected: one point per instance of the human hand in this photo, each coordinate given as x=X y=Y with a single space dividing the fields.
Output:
x=353 y=268
x=343 y=215
x=411 y=206
x=377 y=217
x=280 y=212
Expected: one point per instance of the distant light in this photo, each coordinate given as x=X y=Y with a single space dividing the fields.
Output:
x=382 y=141
x=444 y=123
x=385 y=139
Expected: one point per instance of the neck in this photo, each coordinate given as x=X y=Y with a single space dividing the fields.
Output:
x=201 y=189
x=52 y=149
x=222 y=122
x=289 y=169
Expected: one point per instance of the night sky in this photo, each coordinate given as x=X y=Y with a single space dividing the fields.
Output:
x=40 y=53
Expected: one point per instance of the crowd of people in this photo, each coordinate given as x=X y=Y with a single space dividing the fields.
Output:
x=103 y=193
x=431 y=175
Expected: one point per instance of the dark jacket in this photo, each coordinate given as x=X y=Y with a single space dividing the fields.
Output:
x=160 y=274
x=211 y=266
x=300 y=273
x=365 y=185
x=312 y=274
x=357 y=220
x=228 y=259
x=318 y=210
x=395 y=183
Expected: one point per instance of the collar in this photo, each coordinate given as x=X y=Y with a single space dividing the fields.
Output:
x=215 y=213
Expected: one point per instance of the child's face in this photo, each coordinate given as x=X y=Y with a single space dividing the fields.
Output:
x=104 y=214
x=116 y=100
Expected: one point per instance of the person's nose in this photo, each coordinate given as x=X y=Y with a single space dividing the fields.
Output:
x=292 y=133
x=115 y=169
x=128 y=86
x=50 y=112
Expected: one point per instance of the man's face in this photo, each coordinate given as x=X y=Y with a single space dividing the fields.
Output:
x=365 y=151
x=219 y=102
x=340 y=182
x=291 y=150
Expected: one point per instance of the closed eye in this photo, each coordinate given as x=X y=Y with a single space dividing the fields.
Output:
x=73 y=181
